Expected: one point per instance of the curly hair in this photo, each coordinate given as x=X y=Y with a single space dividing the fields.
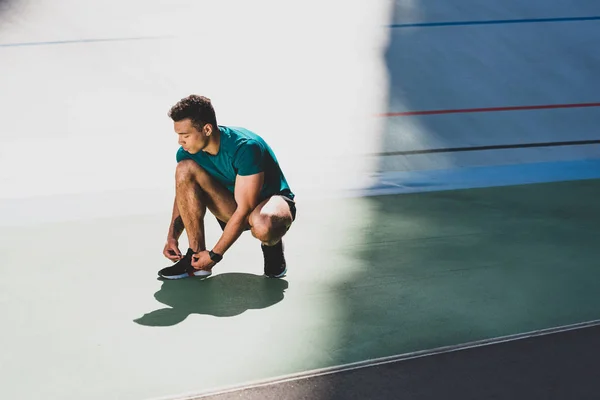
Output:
x=198 y=109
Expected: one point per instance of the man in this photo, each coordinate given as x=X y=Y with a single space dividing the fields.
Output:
x=234 y=174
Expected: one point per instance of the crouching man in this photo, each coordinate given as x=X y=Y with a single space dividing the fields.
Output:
x=233 y=173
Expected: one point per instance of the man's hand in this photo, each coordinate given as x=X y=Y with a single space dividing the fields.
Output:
x=171 y=250
x=201 y=260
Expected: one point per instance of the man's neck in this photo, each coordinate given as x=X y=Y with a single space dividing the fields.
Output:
x=214 y=143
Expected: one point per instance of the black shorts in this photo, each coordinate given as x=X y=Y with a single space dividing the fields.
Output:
x=290 y=202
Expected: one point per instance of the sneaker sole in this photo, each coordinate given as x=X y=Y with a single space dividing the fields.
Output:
x=203 y=274
x=281 y=275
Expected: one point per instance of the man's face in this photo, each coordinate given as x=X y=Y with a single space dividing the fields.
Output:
x=190 y=138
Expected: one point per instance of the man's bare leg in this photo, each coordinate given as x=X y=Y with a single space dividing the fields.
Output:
x=192 y=209
x=196 y=191
x=270 y=220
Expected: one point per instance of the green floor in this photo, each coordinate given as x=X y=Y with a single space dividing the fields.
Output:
x=83 y=315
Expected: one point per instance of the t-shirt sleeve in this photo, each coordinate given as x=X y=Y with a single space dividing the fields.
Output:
x=249 y=159
x=182 y=155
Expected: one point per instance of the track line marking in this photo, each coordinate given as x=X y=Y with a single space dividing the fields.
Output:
x=488 y=109
x=490 y=147
x=75 y=41
x=384 y=360
x=493 y=22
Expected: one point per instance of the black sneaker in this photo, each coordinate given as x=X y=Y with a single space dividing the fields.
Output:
x=275 y=265
x=183 y=269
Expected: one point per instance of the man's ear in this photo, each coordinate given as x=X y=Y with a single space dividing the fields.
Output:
x=207 y=129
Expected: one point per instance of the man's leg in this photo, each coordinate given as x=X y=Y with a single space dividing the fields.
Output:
x=270 y=220
x=196 y=191
x=269 y=223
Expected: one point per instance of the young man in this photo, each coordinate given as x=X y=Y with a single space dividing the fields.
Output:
x=234 y=174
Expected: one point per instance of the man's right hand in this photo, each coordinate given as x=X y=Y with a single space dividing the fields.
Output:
x=171 y=250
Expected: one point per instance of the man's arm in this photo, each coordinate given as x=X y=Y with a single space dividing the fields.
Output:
x=246 y=193
x=176 y=227
x=171 y=249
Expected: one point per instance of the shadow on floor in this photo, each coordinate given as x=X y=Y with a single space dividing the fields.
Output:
x=223 y=295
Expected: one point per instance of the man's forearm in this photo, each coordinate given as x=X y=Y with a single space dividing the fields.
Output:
x=233 y=230
x=176 y=227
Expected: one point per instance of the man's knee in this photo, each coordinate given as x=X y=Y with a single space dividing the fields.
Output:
x=270 y=227
x=188 y=170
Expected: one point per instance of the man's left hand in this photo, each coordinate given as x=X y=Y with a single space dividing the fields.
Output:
x=201 y=261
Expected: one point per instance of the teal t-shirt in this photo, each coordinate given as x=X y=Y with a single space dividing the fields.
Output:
x=242 y=152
